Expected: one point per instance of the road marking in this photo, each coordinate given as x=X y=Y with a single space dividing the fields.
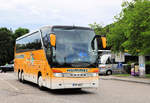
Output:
x=12 y=86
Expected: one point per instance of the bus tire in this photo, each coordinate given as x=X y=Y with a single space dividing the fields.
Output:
x=109 y=72
x=19 y=76
x=40 y=82
x=22 y=77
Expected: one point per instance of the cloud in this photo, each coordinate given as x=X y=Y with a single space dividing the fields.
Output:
x=35 y=13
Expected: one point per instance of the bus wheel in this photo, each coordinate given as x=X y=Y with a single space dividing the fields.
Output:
x=40 y=82
x=109 y=72
x=1 y=71
x=22 y=77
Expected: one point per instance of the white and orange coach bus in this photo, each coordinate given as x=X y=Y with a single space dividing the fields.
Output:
x=58 y=57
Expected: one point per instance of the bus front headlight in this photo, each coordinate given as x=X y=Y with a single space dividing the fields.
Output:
x=95 y=74
x=58 y=74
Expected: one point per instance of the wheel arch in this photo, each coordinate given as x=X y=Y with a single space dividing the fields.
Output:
x=39 y=74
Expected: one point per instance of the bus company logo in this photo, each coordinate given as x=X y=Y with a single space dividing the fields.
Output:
x=77 y=70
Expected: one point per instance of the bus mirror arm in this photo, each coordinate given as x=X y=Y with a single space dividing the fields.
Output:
x=92 y=43
x=103 y=39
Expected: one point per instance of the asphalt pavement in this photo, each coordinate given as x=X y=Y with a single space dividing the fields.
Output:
x=109 y=91
x=127 y=79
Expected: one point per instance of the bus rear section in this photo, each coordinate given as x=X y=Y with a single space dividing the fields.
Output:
x=58 y=57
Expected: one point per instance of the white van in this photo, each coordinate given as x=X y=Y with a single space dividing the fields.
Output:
x=108 y=65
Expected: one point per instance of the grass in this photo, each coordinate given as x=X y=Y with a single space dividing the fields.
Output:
x=121 y=75
x=127 y=75
x=147 y=76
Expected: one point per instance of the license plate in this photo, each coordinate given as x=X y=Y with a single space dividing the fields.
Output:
x=77 y=84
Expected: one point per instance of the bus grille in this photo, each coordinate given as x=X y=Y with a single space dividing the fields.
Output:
x=77 y=75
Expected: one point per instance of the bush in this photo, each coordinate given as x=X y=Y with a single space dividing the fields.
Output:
x=127 y=69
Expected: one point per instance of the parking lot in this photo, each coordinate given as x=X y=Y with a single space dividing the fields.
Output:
x=109 y=91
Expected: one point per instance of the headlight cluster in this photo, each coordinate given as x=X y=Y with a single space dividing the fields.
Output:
x=75 y=75
x=58 y=74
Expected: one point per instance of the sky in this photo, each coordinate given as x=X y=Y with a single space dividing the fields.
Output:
x=33 y=14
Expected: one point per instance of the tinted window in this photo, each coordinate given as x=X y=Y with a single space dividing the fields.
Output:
x=46 y=42
x=29 y=43
x=73 y=47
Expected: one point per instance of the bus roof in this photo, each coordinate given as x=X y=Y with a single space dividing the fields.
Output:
x=57 y=26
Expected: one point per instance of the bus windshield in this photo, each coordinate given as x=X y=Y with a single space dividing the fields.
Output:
x=73 y=47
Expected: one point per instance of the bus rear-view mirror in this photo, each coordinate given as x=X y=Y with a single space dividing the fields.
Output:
x=103 y=42
x=53 y=40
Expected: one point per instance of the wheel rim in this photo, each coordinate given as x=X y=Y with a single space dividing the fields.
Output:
x=109 y=72
x=22 y=76
x=19 y=76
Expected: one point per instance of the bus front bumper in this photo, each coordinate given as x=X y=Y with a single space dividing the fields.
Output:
x=61 y=83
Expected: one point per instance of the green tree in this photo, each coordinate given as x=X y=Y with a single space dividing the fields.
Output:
x=6 y=45
x=100 y=30
x=107 y=28
x=137 y=18
x=132 y=29
x=20 y=31
x=116 y=37
x=97 y=28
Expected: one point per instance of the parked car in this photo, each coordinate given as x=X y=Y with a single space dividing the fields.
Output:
x=7 y=67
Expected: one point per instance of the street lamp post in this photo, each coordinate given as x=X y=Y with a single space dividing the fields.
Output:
x=142 y=66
